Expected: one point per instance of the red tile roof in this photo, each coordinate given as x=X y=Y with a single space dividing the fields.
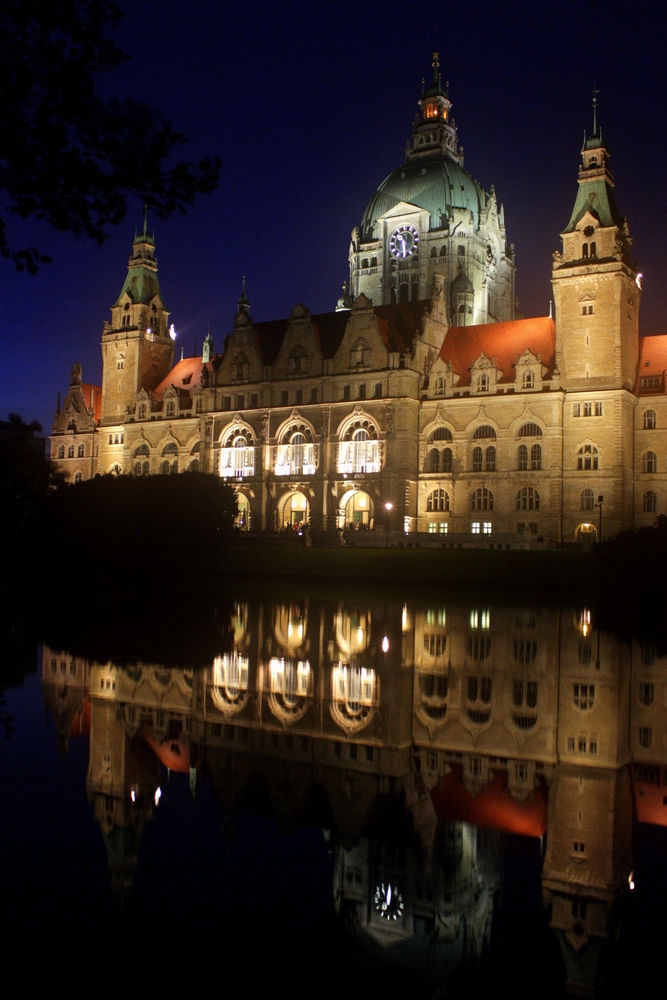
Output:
x=185 y=374
x=92 y=395
x=652 y=362
x=492 y=807
x=503 y=341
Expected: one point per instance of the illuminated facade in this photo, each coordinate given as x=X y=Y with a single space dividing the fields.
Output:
x=422 y=390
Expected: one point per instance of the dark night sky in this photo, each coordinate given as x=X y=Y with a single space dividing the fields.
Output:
x=309 y=106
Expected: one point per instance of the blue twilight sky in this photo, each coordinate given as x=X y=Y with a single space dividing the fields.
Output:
x=309 y=106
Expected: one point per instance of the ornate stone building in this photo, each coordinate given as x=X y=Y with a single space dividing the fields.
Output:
x=422 y=404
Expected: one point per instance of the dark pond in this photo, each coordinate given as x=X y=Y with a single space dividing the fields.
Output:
x=356 y=796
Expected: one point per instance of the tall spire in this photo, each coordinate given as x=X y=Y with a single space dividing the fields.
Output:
x=595 y=109
x=243 y=304
x=434 y=132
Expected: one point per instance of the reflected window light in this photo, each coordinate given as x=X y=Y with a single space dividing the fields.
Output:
x=158 y=795
x=133 y=794
x=474 y=619
x=404 y=619
x=230 y=682
x=585 y=622
x=385 y=644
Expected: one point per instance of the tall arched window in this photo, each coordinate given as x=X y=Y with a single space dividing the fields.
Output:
x=438 y=500
x=485 y=431
x=78 y=477
x=61 y=451
x=434 y=460
x=477 y=459
x=359 y=451
x=490 y=459
x=447 y=460
x=522 y=458
x=237 y=457
x=650 y=502
x=587 y=457
x=528 y=499
x=70 y=451
x=587 y=499
x=649 y=420
x=650 y=462
x=536 y=457
x=81 y=451
x=441 y=434
x=481 y=499
x=530 y=430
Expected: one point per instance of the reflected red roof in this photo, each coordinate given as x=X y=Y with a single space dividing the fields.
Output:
x=92 y=395
x=505 y=342
x=80 y=724
x=652 y=363
x=493 y=807
x=650 y=793
x=185 y=375
x=173 y=753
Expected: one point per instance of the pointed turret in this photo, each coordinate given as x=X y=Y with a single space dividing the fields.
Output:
x=434 y=132
x=209 y=348
x=243 y=304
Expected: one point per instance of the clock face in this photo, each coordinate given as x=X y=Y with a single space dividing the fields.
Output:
x=388 y=901
x=403 y=241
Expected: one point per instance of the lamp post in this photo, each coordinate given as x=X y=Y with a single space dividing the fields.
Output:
x=388 y=507
x=599 y=506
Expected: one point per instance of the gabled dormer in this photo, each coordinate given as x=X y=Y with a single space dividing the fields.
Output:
x=442 y=379
x=484 y=374
x=300 y=353
x=362 y=347
x=529 y=372
x=242 y=360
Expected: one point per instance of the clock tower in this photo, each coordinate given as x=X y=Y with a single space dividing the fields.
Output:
x=430 y=219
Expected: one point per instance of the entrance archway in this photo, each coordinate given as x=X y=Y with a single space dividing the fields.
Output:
x=586 y=532
x=356 y=511
x=242 y=520
x=293 y=511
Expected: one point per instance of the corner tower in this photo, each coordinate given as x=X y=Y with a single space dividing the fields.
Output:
x=595 y=284
x=137 y=350
x=431 y=218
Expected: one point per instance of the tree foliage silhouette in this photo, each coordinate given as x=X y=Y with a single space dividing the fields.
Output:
x=67 y=155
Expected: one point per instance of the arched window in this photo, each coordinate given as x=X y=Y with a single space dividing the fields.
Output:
x=164 y=468
x=587 y=500
x=490 y=459
x=143 y=450
x=536 y=457
x=649 y=420
x=650 y=502
x=169 y=449
x=359 y=451
x=587 y=458
x=447 y=460
x=434 y=460
x=115 y=469
x=441 y=434
x=78 y=477
x=522 y=458
x=528 y=499
x=650 y=462
x=61 y=451
x=443 y=251
x=530 y=430
x=477 y=459
x=438 y=500
x=594 y=250
x=70 y=451
x=364 y=262
x=145 y=468
x=485 y=431
x=137 y=468
x=142 y=411
x=237 y=457
x=481 y=499
x=194 y=465
x=374 y=262
x=584 y=250
x=80 y=451
x=434 y=251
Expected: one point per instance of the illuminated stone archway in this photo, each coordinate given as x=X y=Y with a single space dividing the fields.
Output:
x=243 y=518
x=586 y=532
x=293 y=511
x=356 y=510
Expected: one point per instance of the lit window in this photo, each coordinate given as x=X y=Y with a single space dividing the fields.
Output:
x=475 y=528
x=486 y=527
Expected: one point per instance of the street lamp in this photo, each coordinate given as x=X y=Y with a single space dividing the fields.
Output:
x=388 y=507
x=599 y=506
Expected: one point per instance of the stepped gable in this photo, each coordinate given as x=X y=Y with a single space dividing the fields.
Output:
x=652 y=363
x=503 y=341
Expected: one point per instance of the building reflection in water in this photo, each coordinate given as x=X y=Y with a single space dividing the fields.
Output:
x=415 y=736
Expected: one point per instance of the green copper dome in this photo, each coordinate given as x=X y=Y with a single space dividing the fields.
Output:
x=438 y=185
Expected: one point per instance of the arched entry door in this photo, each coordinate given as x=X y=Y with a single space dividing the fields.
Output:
x=243 y=517
x=293 y=511
x=586 y=532
x=356 y=511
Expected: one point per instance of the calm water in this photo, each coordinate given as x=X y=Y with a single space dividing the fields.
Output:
x=356 y=797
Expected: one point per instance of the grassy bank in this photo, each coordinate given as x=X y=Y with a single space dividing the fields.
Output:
x=543 y=570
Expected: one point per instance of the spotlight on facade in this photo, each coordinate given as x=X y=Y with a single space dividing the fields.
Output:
x=385 y=644
x=172 y=332
x=158 y=795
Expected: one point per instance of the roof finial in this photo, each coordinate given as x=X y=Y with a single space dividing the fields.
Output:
x=145 y=219
x=595 y=109
x=436 y=65
x=423 y=84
